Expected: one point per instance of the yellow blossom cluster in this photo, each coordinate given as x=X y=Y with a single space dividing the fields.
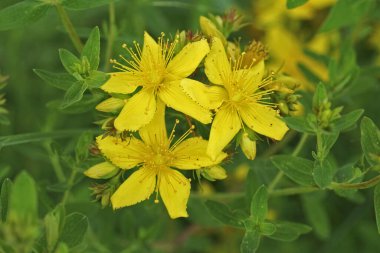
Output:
x=160 y=74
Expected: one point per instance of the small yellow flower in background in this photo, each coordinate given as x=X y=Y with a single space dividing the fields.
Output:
x=156 y=154
x=237 y=99
x=159 y=72
x=248 y=146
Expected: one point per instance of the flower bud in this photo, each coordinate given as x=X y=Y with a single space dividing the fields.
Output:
x=214 y=173
x=210 y=29
x=248 y=146
x=103 y=170
x=110 y=105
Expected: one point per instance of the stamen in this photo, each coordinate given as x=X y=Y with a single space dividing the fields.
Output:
x=183 y=137
x=171 y=136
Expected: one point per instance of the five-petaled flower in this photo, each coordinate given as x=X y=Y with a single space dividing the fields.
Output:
x=237 y=99
x=159 y=72
x=155 y=155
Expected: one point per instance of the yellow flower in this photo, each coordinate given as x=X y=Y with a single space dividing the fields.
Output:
x=159 y=73
x=156 y=155
x=237 y=99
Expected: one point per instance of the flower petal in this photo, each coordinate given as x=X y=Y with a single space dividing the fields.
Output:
x=264 y=120
x=191 y=154
x=174 y=190
x=188 y=59
x=125 y=154
x=174 y=96
x=121 y=82
x=137 y=112
x=250 y=79
x=210 y=97
x=218 y=68
x=138 y=187
x=151 y=55
x=224 y=127
x=154 y=134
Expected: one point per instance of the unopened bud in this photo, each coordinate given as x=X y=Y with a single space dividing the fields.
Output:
x=103 y=170
x=248 y=146
x=110 y=105
x=210 y=29
x=216 y=172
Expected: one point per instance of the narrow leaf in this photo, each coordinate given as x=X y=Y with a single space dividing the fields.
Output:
x=74 y=229
x=327 y=141
x=289 y=231
x=259 y=205
x=347 y=120
x=4 y=198
x=74 y=94
x=23 y=197
x=22 y=14
x=370 y=141
x=323 y=173
x=320 y=96
x=250 y=242
x=346 y=13
x=299 y=124
x=92 y=48
x=296 y=168
x=61 y=81
x=69 y=60
x=223 y=214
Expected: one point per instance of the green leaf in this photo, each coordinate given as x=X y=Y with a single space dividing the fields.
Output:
x=315 y=211
x=290 y=4
x=370 y=141
x=327 y=141
x=22 y=14
x=251 y=239
x=347 y=120
x=84 y=4
x=51 y=222
x=4 y=198
x=18 y=139
x=323 y=173
x=259 y=205
x=69 y=60
x=62 y=248
x=92 y=48
x=376 y=200
x=87 y=103
x=296 y=168
x=61 y=81
x=74 y=229
x=289 y=231
x=267 y=228
x=345 y=13
x=96 y=79
x=23 y=198
x=320 y=96
x=223 y=214
x=299 y=124
x=74 y=94
x=82 y=146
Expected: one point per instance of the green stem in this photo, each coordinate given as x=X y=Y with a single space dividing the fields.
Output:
x=69 y=28
x=227 y=195
x=293 y=191
x=111 y=34
x=70 y=184
x=55 y=162
x=363 y=185
x=296 y=151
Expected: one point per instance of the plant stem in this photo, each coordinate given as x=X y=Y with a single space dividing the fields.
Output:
x=296 y=151
x=70 y=184
x=226 y=195
x=293 y=191
x=111 y=34
x=54 y=160
x=363 y=185
x=69 y=28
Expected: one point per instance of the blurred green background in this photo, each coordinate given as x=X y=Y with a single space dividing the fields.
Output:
x=146 y=227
